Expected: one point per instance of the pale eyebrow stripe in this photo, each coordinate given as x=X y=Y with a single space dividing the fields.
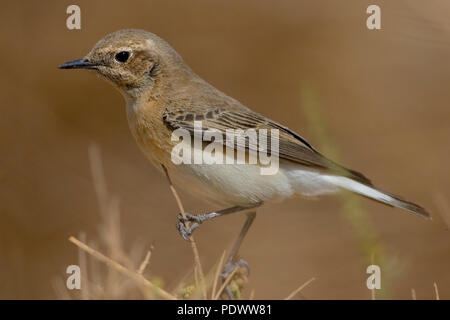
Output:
x=150 y=43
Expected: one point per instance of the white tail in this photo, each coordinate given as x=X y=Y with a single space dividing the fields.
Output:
x=376 y=194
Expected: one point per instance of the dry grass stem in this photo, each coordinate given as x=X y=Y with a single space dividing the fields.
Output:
x=196 y=276
x=436 y=291
x=289 y=297
x=123 y=270
x=413 y=294
x=252 y=295
x=146 y=261
x=217 y=275
x=82 y=262
x=191 y=238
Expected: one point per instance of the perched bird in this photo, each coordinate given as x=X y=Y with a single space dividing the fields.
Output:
x=163 y=94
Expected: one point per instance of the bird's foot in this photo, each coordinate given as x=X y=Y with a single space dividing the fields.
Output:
x=195 y=220
x=235 y=285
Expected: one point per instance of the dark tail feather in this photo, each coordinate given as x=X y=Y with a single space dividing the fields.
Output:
x=374 y=193
x=401 y=202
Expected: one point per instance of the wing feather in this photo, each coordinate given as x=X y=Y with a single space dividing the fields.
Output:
x=292 y=146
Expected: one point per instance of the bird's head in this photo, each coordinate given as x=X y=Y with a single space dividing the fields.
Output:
x=135 y=61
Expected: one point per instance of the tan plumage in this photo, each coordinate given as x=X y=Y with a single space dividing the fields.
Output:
x=164 y=94
x=292 y=146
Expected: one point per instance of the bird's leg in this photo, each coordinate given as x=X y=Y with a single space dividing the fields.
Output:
x=197 y=219
x=231 y=264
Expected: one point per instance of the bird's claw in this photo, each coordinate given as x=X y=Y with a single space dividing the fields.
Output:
x=228 y=268
x=185 y=231
x=195 y=218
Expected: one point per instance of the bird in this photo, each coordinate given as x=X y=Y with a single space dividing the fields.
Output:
x=163 y=95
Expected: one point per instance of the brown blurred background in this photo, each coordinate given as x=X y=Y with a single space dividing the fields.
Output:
x=384 y=95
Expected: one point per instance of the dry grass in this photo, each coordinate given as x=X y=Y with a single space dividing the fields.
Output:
x=198 y=270
x=121 y=275
x=118 y=275
x=297 y=291
x=135 y=275
x=436 y=292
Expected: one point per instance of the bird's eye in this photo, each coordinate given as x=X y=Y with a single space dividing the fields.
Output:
x=122 y=56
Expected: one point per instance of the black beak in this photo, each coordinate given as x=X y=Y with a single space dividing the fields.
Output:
x=78 y=64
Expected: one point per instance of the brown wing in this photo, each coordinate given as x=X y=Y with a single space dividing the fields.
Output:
x=292 y=146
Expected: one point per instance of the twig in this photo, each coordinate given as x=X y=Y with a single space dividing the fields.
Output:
x=121 y=269
x=146 y=261
x=217 y=275
x=191 y=238
x=413 y=294
x=436 y=291
x=196 y=277
x=289 y=297
x=84 y=270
